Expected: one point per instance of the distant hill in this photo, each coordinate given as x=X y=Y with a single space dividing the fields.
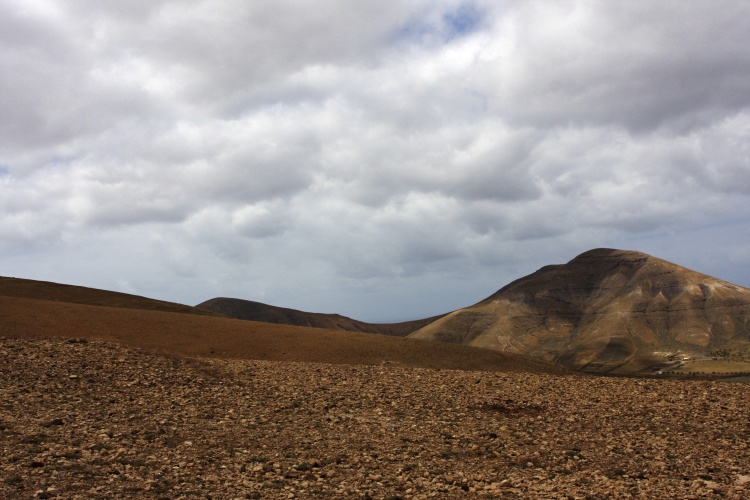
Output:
x=47 y=290
x=606 y=311
x=38 y=309
x=257 y=311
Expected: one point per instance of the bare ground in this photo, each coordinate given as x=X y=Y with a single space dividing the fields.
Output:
x=89 y=419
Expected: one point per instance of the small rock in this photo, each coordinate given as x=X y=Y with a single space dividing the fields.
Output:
x=712 y=485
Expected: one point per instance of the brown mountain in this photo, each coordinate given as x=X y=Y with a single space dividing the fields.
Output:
x=39 y=309
x=607 y=311
x=257 y=311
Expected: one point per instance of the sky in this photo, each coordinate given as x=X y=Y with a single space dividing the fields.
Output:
x=385 y=160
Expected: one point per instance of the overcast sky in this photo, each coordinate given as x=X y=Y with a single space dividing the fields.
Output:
x=386 y=160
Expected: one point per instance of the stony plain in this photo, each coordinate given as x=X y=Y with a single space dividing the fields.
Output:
x=90 y=419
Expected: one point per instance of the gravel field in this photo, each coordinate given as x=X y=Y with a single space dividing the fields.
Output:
x=88 y=419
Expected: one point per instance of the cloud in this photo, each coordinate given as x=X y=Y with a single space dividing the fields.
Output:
x=397 y=154
x=636 y=65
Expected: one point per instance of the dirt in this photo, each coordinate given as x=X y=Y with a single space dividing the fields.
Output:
x=89 y=419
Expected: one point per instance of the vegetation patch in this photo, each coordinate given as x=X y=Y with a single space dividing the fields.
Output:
x=713 y=367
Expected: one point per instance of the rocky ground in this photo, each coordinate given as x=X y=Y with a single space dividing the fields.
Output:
x=87 y=419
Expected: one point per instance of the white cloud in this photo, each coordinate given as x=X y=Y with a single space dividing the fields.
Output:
x=403 y=155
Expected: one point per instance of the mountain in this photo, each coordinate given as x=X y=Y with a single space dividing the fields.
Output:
x=257 y=311
x=38 y=309
x=606 y=311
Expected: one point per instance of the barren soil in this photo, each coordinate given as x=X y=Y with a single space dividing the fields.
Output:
x=99 y=420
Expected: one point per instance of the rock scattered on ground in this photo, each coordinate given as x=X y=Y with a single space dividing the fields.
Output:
x=88 y=419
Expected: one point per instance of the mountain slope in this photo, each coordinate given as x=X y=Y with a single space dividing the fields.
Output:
x=257 y=311
x=608 y=311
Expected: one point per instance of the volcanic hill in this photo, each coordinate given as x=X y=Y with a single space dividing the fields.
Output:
x=257 y=311
x=606 y=311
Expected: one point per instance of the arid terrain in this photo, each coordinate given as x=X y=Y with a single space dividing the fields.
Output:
x=605 y=311
x=108 y=395
x=98 y=420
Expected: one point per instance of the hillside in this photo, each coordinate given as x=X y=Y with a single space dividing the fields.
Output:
x=178 y=331
x=257 y=311
x=606 y=311
x=46 y=290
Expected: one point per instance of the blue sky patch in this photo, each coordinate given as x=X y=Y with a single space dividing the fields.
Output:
x=463 y=20
x=456 y=23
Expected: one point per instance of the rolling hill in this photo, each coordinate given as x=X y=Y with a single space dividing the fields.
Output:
x=47 y=290
x=38 y=309
x=257 y=311
x=606 y=311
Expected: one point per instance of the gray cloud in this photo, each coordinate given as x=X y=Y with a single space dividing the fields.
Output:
x=635 y=64
x=387 y=161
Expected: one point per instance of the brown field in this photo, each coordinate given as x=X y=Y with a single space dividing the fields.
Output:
x=99 y=420
x=115 y=402
x=718 y=366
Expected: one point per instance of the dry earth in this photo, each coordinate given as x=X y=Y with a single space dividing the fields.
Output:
x=88 y=419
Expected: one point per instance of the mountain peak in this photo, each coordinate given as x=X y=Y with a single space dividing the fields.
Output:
x=606 y=310
x=610 y=254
